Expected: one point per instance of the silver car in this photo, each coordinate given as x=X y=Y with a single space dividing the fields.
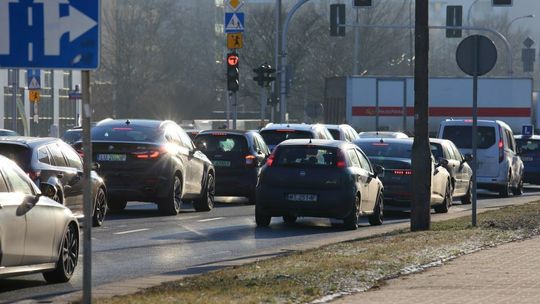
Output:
x=37 y=234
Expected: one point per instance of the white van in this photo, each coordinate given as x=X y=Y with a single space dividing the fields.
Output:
x=499 y=167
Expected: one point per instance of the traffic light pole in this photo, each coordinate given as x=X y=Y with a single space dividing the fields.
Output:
x=263 y=106
x=277 y=47
x=235 y=109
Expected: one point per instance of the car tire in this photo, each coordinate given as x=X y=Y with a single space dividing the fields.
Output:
x=518 y=190
x=206 y=202
x=289 y=219
x=351 y=221
x=100 y=208
x=68 y=257
x=377 y=218
x=252 y=199
x=504 y=191
x=170 y=205
x=116 y=206
x=447 y=202
x=467 y=198
x=262 y=219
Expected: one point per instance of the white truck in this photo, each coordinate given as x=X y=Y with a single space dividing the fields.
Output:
x=387 y=103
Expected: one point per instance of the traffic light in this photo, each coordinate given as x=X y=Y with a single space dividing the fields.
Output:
x=264 y=75
x=233 y=73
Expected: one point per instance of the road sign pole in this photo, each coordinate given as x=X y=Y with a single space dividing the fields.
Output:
x=87 y=192
x=277 y=48
x=14 y=100
x=235 y=109
x=356 y=44
x=228 y=109
x=475 y=126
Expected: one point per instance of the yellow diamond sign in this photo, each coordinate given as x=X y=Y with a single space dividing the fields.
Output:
x=234 y=3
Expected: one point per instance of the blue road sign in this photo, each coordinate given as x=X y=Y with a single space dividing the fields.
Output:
x=61 y=34
x=234 y=22
x=527 y=130
x=33 y=79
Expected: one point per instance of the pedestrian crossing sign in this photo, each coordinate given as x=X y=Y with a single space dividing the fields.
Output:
x=235 y=41
x=234 y=22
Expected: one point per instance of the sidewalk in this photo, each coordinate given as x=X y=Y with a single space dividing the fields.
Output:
x=508 y=273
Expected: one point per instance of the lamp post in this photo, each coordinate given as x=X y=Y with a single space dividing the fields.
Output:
x=516 y=19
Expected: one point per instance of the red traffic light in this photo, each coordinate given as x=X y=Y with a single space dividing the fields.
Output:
x=232 y=59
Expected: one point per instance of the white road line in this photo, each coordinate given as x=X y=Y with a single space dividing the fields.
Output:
x=193 y=231
x=180 y=218
x=132 y=231
x=210 y=219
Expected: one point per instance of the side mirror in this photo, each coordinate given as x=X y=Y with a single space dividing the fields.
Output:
x=48 y=190
x=95 y=166
x=379 y=171
x=468 y=157
x=201 y=146
x=442 y=162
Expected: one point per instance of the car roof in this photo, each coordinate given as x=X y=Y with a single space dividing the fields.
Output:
x=300 y=127
x=26 y=140
x=315 y=142
x=469 y=122
x=438 y=140
x=520 y=136
x=226 y=131
x=389 y=140
x=335 y=127
x=138 y=122
x=391 y=133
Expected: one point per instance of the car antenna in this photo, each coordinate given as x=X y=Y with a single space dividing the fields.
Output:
x=310 y=141
x=128 y=122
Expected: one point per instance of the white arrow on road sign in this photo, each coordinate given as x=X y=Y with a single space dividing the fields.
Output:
x=76 y=24
x=4 y=25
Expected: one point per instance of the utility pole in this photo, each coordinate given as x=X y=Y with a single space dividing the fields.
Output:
x=277 y=47
x=421 y=156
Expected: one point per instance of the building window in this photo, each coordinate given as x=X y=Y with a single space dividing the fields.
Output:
x=12 y=77
x=68 y=80
x=47 y=79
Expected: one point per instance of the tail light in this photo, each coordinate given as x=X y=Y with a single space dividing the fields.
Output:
x=402 y=172
x=152 y=154
x=34 y=175
x=251 y=160
x=341 y=163
x=270 y=160
x=501 y=145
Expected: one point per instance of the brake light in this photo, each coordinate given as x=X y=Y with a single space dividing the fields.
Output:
x=270 y=159
x=286 y=131
x=219 y=134
x=147 y=154
x=501 y=145
x=122 y=129
x=402 y=172
x=250 y=160
x=34 y=175
x=341 y=163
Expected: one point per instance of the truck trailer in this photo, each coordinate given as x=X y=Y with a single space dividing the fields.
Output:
x=387 y=103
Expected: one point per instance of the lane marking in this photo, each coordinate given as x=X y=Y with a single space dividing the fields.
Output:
x=210 y=219
x=193 y=231
x=132 y=231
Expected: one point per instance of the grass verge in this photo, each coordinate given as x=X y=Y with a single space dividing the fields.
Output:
x=345 y=267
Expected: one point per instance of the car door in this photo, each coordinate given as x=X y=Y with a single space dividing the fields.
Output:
x=40 y=225
x=12 y=227
x=261 y=149
x=195 y=163
x=464 y=172
x=454 y=168
x=361 y=178
x=516 y=162
x=76 y=184
x=69 y=178
x=373 y=185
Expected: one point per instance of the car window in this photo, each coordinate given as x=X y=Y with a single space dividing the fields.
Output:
x=335 y=133
x=222 y=143
x=172 y=136
x=262 y=144
x=18 y=181
x=72 y=136
x=56 y=155
x=528 y=145
x=43 y=156
x=3 y=184
x=73 y=158
x=385 y=149
x=127 y=133
x=448 y=151
x=275 y=137
x=364 y=162
x=355 y=162
x=509 y=139
x=327 y=135
x=457 y=154
x=19 y=154
x=436 y=150
x=306 y=156
x=461 y=136
x=185 y=139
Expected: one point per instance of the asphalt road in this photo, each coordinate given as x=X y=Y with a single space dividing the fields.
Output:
x=139 y=242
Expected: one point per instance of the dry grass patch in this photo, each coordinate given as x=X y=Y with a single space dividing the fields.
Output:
x=345 y=267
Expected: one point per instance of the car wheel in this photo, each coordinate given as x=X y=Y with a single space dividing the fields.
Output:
x=505 y=189
x=467 y=198
x=100 y=208
x=206 y=202
x=445 y=205
x=261 y=219
x=67 y=261
x=170 y=205
x=518 y=190
x=116 y=206
x=351 y=221
x=377 y=217
x=289 y=219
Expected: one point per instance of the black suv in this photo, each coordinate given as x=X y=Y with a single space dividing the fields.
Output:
x=53 y=161
x=237 y=157
x=151 y=161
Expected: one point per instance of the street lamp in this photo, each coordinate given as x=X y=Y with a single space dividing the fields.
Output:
x=516 y=19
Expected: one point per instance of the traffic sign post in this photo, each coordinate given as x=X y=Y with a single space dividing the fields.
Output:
x=476 y=55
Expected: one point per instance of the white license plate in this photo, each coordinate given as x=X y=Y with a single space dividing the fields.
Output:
x=221 y=163
x=526 y=158
x=302 y=197
x=111 y=157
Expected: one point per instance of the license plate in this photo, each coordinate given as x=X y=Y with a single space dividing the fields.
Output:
x=526 y=158
x=302 y=197
x=111 y=157
x=221 y=163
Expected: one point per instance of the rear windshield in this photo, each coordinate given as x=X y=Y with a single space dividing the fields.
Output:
x=18 y=154
x=528 y=145
x=375 y=149
x=8 y=133
x=462 y=136
x=275 y=137
x=72 y=136
x=127 y=133
x=221 y=143
x=335 y=133
x=302 y=156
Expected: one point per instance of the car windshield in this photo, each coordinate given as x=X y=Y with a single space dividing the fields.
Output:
x=18 y=154
x=8 y=133
x=72 y=136
x=335 y=133
x=302 y=156
x=462 y=136
x=127 y=133
x=275 y=137
x=528 y=145
x=222 y=142
x=384 y=149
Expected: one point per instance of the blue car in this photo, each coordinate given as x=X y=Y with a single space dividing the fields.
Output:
x=529 y=147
